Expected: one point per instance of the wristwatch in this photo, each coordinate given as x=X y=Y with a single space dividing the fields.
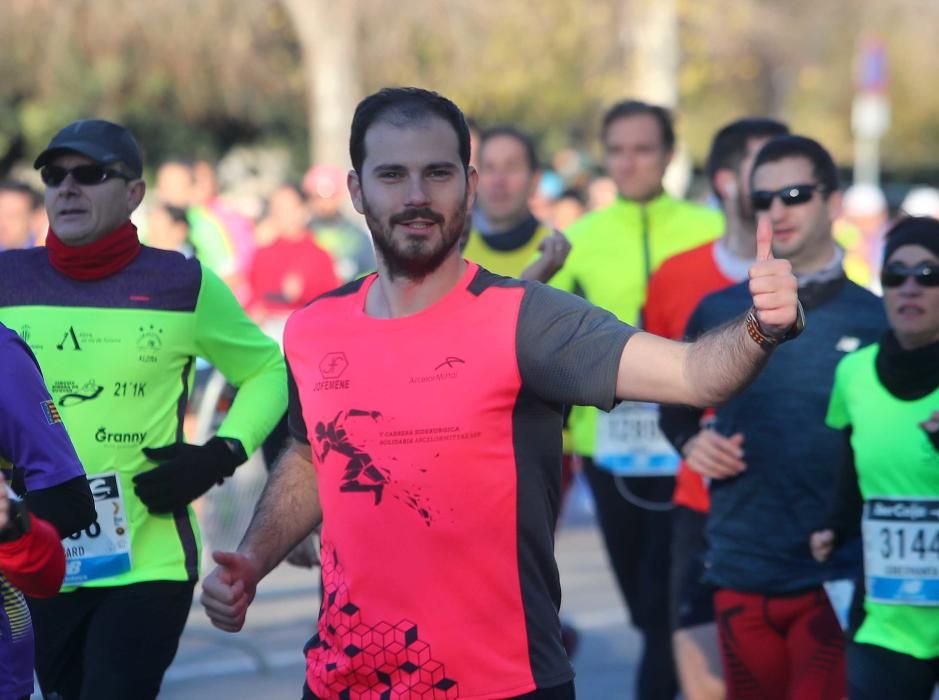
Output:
x=17 y=524
x=768 y=342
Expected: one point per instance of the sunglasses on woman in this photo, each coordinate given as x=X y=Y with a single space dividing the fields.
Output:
x=924 y=274
x=90 y=174
x=789 y=196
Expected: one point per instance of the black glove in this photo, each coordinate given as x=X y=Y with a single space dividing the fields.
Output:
x=186 y=472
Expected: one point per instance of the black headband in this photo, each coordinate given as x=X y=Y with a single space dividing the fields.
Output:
x=914 y=230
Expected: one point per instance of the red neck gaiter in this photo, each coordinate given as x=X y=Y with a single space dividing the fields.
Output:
x=96 y=260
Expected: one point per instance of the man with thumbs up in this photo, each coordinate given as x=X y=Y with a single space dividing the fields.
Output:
x=770 y=459
x=425 y=409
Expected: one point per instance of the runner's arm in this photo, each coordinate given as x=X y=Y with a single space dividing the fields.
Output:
x=68 y=506
x=720 y=363
x=288 y=510
x=46 y=470
x=34 y=562
x=843 y=519
x=678 y=423
x=707 y=372
x=845 y=515
x=250 y=360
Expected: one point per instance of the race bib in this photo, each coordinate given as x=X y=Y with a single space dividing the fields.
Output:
x=629 y=442
x=103 y=548
x=901 y=550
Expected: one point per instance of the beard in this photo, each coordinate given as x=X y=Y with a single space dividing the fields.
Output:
x=414 y=257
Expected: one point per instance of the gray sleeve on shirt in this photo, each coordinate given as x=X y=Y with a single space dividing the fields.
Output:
x=568 y=349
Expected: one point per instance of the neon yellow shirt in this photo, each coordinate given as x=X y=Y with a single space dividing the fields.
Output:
x=510 y=263
x=118 y=356
x=614 y=251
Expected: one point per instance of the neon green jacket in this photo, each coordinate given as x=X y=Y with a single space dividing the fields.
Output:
x=614 y=251
x=118 y=356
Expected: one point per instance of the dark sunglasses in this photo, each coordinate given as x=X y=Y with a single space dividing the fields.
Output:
x=789 y=196
x=924 y=274
x=91 y=174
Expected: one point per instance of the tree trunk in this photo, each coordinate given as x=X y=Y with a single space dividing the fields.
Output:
x=649 y=35
x=327 y=31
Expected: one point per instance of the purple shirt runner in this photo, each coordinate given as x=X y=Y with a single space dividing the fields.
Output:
x=32 y=439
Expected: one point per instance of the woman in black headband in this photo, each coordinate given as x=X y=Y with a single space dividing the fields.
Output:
x=886 y=399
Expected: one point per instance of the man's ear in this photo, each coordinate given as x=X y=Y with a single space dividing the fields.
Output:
x=355 y=191
x=725 y=183
x=135 y=192
x=668 y=157
x=472 y=179
x=834 y=205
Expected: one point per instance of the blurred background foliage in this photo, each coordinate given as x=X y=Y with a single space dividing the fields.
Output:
x=198 y=77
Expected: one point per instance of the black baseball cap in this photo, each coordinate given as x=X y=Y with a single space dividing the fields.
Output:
x=103 y=141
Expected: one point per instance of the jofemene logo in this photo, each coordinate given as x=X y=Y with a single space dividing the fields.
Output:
x=332 y=367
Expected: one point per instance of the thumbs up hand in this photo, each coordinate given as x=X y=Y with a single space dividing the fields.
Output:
x=773 y=287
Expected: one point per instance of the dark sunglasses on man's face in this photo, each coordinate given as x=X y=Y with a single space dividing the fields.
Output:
x=924 y=274
x=789 y=196
x=91 y=174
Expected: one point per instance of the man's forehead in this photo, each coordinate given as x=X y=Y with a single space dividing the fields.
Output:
x=504 y=145
x=786 y=171
x=636 y=127
x=913 y=254
x=7 y=196
x=429 y=139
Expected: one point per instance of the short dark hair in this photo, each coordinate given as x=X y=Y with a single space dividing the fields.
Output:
x=633 y=108
x=531 y=155
x=793 y=146
x=20 y=187
x=401 y=106
x=730 y=144
x=176 y=214
x=572 y=193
